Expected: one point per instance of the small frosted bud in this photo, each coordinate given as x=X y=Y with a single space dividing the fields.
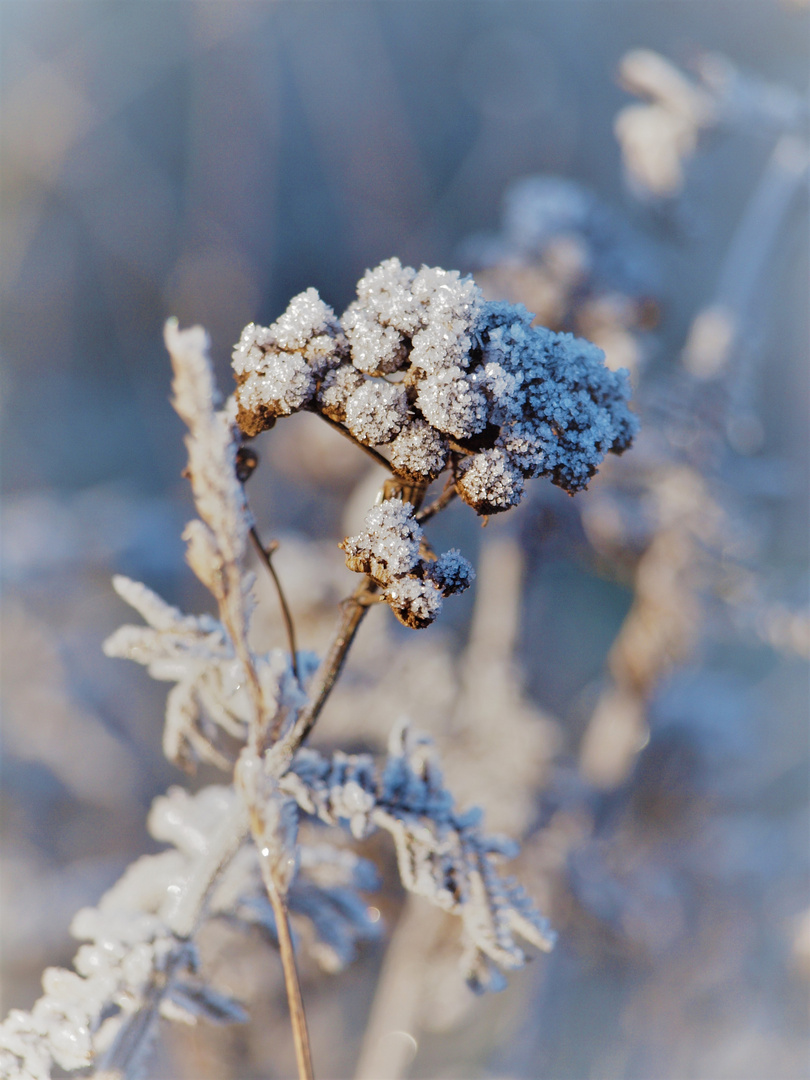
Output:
x=389 y=546
x=415 y=601
x=376 y=411
x=451 y=572
x=489 y=482
x=336 y=389
x=419 y=452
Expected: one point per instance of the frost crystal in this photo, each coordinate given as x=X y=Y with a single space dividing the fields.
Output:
x=276 y=366
x=415 y=601
x=419 y=452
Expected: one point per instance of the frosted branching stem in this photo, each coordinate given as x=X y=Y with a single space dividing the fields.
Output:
x=447 y=383
x=121 y=1059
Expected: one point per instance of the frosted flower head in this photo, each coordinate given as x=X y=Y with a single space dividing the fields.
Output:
x=422 y=365
x=415 y=601
x=451 y=572
x=276 y=367
x=376 y=411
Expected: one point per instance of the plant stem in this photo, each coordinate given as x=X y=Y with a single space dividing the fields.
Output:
x=266 y=556
x=375 y=455
x=354 y=609
x=292 y=984
x=439 y=503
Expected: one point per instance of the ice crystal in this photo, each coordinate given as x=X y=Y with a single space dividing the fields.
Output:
x=375 y=412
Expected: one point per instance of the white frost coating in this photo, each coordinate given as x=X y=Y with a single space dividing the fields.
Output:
x=451 y=572
x=415 y=601
x=281 y=385
x=336 y=389
x=523 y=449
x=450 y=403
x=376 y=349
x=419 y=451
x=211 y=441
x=389 y=546
x=489 y=482
x=376 y=411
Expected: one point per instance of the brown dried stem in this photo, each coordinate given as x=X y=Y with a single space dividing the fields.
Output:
x=266 y=554
x=447 y=495
x=375 y=455
x=354 y=610
x=292 y=984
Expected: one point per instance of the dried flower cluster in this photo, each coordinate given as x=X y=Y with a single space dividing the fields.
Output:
x=389 y=551
x=420 y=363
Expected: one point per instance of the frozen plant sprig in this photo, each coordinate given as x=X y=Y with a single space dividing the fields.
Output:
x=419 y=361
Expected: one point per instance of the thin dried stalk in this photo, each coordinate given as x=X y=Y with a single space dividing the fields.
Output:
x=292 y=983
x=354 y=610
x=266 y=556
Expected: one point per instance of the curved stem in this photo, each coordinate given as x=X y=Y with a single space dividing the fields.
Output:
x=266 y=556
x=292 y=984
x=440 y=502
x=354 y=610
x=375 y=455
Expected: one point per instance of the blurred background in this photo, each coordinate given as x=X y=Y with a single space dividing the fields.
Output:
x=640 y=714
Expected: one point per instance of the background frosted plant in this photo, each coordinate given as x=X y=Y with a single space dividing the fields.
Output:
x=549 y=407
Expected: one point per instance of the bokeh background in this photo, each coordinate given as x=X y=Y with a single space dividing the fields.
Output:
x=209 y=160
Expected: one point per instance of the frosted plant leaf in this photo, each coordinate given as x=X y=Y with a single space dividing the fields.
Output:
x=209 y=699
x=389 y=545
x=211 y=442
x=490 y=482
x=419 y=452
x=442 y=854
x=415 y=601
x=376 y=411
x=337 y=387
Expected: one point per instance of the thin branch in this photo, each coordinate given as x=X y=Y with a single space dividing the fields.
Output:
x=354 y=610
x=298 y=1018
x=266 y=555
x=375 y=455
x=440 y=502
